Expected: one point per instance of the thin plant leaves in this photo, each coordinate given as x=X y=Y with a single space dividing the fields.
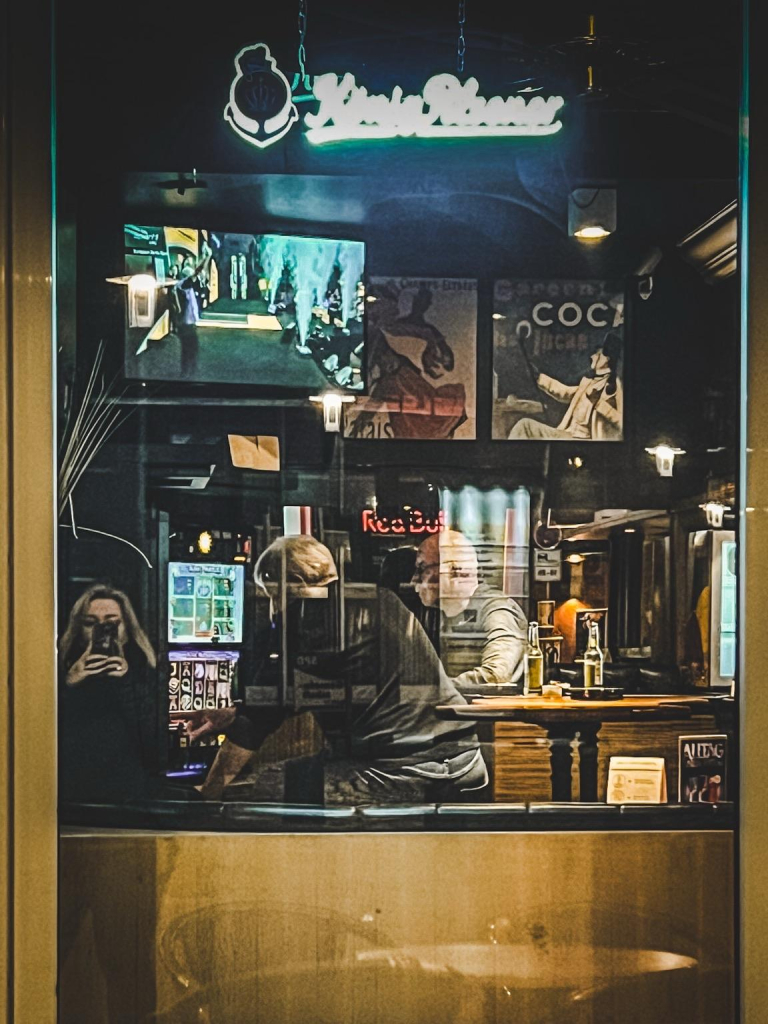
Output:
x=98 y=416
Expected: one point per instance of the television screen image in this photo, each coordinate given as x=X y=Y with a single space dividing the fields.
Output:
x=216 y=307
x=205 y=603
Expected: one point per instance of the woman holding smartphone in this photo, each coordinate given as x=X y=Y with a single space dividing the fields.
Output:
x=106 y=658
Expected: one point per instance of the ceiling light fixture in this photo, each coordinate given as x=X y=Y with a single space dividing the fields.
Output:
x=591 y=231
x=591 y=213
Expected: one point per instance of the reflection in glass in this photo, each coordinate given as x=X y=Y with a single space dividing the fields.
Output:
x=373 y=690
x=106 y=660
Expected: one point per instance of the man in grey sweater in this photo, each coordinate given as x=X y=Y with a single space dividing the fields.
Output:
x=482 y=631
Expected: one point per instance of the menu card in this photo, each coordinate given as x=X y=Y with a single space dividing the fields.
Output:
x=637 y=780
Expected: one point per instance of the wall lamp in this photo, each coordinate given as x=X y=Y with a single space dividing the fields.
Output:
x=715 y=512
x=665 y=457
x=332 y=403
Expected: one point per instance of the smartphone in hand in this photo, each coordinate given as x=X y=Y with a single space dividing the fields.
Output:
x=104 y=639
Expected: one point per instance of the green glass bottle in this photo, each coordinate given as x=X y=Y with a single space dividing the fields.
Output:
x=534 y=662
x=593 y=658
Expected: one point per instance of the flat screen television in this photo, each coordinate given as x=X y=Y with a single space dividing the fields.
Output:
x=222 y=307
x=205 y=603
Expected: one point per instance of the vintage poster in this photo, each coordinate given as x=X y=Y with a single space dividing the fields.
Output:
x=558 y=361
x=702 y=763
x=420 y=356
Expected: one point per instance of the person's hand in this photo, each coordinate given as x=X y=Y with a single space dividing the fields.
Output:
x=116 y=667
x=88 y=664
x=208 y=720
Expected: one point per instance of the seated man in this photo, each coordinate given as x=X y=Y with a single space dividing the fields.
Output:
x=389 y=748
x=477 y=622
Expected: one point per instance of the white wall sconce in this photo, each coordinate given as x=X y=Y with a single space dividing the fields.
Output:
x=715 y=511
x=142 y=297
x=665 y=458
x=591 y=213
x=142 y=292
x=332 y=403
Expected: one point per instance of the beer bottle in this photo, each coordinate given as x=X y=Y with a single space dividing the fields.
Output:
x=534 y=662
x=593 y=658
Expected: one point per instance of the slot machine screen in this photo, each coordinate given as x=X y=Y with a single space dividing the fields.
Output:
x=201 y=679
x=205 y=603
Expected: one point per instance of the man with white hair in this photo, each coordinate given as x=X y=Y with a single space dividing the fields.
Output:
x=392 y=748
x=472 y=613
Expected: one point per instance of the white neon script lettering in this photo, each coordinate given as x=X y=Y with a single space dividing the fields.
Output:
x=447 y=109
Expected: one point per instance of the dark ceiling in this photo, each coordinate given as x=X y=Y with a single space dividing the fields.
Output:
x=664 y=99
x=676 y=58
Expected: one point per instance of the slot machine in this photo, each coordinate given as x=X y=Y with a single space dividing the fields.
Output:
x=205 y=638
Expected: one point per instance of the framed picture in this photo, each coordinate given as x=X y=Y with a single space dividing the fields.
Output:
x=421 y=361
x=558 y=361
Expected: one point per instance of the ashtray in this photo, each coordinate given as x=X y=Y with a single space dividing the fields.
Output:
x=596 y=692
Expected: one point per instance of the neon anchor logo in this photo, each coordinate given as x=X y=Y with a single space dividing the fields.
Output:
x=260 y=107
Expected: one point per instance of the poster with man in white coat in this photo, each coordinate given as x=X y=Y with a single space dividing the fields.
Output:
x=558 y=361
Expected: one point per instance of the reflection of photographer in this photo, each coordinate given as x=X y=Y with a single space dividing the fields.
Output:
x=105 y=658
x=104 y=653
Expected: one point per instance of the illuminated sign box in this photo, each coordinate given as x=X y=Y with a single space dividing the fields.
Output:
x=410 y=522
x=447 y=109
x=261 y=108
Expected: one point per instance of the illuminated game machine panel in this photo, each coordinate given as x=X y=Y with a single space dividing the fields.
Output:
x=205 y=631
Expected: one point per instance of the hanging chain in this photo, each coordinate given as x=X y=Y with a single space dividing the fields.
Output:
x=302 y=53
x=462 y=44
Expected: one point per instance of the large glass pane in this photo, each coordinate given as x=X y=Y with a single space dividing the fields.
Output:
x=398 y=380
x=396 y=471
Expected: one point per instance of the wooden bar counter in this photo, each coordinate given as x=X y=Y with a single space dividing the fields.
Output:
x=570 y=723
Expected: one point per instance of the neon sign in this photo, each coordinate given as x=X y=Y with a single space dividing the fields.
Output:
x=409 y=522
x=261 y=108
x=447 y=110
